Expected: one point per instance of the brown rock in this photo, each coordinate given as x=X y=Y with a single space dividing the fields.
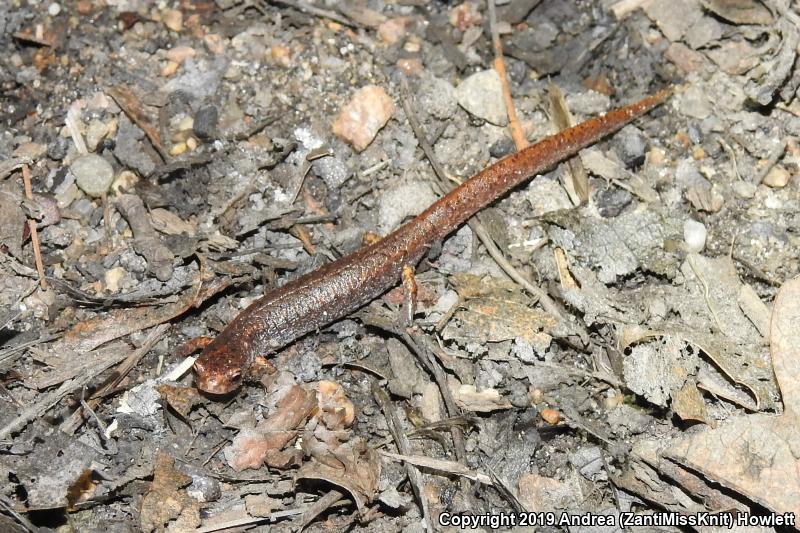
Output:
x=363 y=116
x=777 y=177
x=173 y=19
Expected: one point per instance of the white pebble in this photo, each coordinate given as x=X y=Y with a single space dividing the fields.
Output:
x=54 y=9
x=694 y=234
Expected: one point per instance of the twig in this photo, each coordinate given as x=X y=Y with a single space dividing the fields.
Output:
x=301 y=5
x=431 y=363
x=273 y=517
x=320 y=506
x=46 y=402
x=24 y=522
x=37 y=252
x=500 y=66
x=404 y=447
x=561 y=116
x=450 y=467
x=71 y=425
x=774 y=157
x=129 y=104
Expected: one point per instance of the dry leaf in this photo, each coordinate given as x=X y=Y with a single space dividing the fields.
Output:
x=358 y=471
x=496 y=310
x=92 y=333
x=739 y=11
x=689 y=405
x=264 y=444
x=335 y=410
x=469 y=398
x=181 y=399
x=166 y=501
x=759 y=455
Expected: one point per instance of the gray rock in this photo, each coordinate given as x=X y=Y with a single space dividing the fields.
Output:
x=437 y=97
x=630 y=145
x=687 y=175
x=611 y=201
x=501 y=148
x=57 y=149
x=694 y=103
x=93 y=174
x=402 y=201
x=332 y=171
x=205 y=122
x=128 y=149
x=482 y=95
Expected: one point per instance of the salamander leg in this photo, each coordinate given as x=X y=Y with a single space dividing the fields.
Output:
x=261 y=368
x=192 y=345
x=410 y=297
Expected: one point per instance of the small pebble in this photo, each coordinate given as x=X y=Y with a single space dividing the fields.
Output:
x=169 y=69
x=744 y=189
x=437 y=97
x=611 y=201
x=501 y=148
x=482 y=95
x=694 y=234
x=31 y=150
x=205 y=122
x=57 y=149
x=95 y=133
x=629 y=144
x=360 y=120
x=777 y=177
x=179 y=54
x=186 y=123
x=410 y=66
x=173 y=19
x=394 y=29
x=54 y=9
x=694 y=103
x=93 y=174
x=178 y=149
x=113 y=277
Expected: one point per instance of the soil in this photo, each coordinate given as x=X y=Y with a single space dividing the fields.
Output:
x=185 y=157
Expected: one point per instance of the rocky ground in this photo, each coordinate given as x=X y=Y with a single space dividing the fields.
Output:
x=617 y=337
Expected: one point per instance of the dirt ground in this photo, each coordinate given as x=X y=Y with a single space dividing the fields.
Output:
x=614 y=344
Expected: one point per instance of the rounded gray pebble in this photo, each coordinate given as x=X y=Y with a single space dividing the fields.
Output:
x=57 y=149
x=630 y=146
x=93 y=174
x=501 y=148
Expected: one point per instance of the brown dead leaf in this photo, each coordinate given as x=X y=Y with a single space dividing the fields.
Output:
x=253 y=447
x=92 y=333
x=495 y=310
x=181 y=399
x=12 y=217
x=759 y=455
x=689 y=405
x=358 y=471
x=739 y=11
x=336 y=410
x=165 y=500
x=545 y=494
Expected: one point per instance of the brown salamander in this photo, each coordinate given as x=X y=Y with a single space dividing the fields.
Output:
x=341 y=287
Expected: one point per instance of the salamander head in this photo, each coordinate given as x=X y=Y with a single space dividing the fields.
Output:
x=218 y=370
